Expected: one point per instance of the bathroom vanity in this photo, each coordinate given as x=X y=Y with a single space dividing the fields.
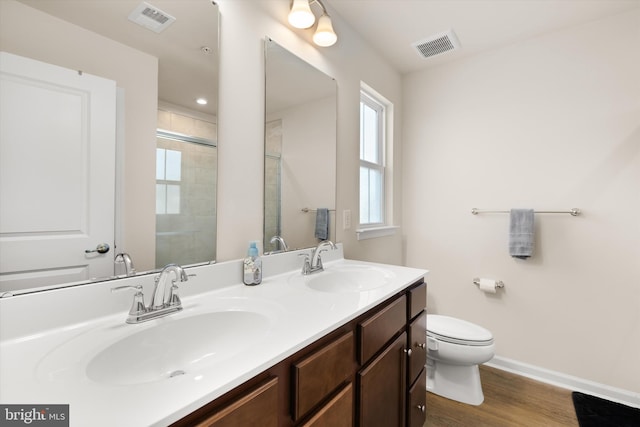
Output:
x=341 y=347
x=368 y=372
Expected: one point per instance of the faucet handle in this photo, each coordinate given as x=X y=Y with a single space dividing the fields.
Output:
x=137 y=288
x=137 y=307
x=306 y=266
x=174 y=298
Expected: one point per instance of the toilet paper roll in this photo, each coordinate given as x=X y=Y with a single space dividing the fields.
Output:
x=488 y=285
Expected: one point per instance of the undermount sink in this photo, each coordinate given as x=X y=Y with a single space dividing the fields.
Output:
x=351 y=278
x=175 y=347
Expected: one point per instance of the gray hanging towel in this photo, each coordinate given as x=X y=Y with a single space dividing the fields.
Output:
x=322 y=224
x=521 y=236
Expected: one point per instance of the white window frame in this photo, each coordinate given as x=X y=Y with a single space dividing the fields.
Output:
x=368 y=230
x=165 y=184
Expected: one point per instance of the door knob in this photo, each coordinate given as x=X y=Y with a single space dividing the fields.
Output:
x=102 y=248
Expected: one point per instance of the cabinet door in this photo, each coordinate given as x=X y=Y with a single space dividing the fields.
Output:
x=257 y=408
x=337 y=413
x=382 y=388
x=418 y=401
x=320 y=373
x=418 y=346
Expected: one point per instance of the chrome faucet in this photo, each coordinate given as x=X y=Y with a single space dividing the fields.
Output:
x=124 y=258
x=283 y=244
x=315 y=264
x=163 y=295
x=165 y=299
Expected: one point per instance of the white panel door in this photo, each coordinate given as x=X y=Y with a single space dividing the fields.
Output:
x=57 y=173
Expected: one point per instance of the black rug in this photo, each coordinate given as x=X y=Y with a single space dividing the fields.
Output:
x=595 y=412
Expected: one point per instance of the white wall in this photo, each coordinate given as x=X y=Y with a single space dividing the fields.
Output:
x=550 y=123
x=244 y=25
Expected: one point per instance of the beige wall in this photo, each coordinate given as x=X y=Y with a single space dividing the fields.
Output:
x=550 y=123
x=244 y=25
x=308 y=169
x=31 y=33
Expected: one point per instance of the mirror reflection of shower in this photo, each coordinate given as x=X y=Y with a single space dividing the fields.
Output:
x=185 y=199
x=272 y=184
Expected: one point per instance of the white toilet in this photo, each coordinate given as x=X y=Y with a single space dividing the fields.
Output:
x=455 y=348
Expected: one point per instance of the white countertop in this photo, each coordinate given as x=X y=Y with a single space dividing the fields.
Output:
x=45 y=362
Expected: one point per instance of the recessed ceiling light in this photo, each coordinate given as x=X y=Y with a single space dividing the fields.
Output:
x=201 y=101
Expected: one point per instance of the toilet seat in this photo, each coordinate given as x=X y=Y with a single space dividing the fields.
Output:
x=457 y=331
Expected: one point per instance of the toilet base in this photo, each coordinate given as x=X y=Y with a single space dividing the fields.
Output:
x=459 y=383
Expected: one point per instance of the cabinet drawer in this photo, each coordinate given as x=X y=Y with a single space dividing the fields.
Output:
x=417 y=401
x=320 y=373
x=417 y=300
x=337 y=413
x=378 y=329
x=257 y=408
x=418 y=346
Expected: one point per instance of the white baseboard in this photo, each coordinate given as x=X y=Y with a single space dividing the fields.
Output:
x=568 y=382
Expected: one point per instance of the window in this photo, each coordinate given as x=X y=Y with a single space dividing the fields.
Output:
x=376 y=118
x=372 y=168
x=168 y=176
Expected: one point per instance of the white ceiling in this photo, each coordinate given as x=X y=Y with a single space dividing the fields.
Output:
x=184 y=71
x=391 y=26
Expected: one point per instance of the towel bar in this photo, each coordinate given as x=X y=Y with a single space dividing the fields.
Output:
x=306 y=210
x=573 y=212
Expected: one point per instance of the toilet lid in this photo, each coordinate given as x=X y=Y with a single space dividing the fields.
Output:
x=458 y=331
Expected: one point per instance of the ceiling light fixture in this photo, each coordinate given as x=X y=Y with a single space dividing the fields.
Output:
x=301 y=16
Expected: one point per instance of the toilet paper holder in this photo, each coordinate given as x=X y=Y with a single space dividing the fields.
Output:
x=499 y=283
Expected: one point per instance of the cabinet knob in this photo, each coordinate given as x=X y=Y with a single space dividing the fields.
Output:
x=421 y=408
x=421 y=345
x=408 y=351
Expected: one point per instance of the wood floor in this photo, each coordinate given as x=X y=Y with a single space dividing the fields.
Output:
x=509 y=401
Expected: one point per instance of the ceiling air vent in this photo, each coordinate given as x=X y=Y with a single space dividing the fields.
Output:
x=437 y=44
x=151 y=17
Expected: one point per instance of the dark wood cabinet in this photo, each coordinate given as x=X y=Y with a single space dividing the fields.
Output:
x=417 y=299
x=416 y=410
x=417 y=374
x=256 y=408
x=368 y=372
x=320 y=373
x=382 y=388
x=418 y=346
x=338 y=412
x=380 y=327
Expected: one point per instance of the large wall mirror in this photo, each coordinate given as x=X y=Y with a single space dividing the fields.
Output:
x=158 y=61
x=300 y=152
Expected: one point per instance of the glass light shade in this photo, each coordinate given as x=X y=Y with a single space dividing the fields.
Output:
x=325 y=36
x=301 y=15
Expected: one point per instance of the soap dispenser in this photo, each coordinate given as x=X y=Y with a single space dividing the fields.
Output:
x=252 y=274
